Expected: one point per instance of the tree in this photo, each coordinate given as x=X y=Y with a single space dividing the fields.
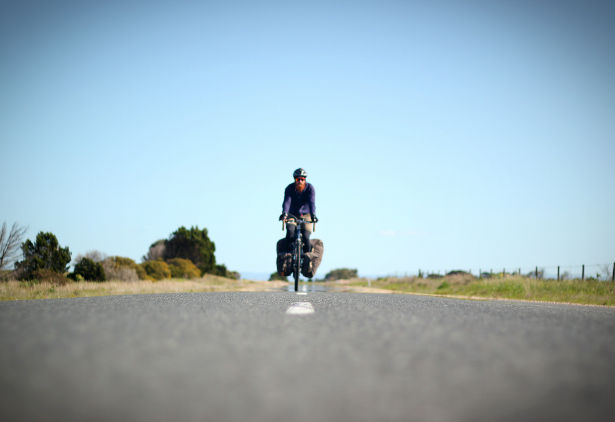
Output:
x=94 y=255
x=156 y=251
x=341 y=274
x=9 y=244
x=89 y=270
x=193 y=244
x=44 y=254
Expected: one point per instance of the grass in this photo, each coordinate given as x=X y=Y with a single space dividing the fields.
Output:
x=589 y=292
x=22 y=290
x=462 y=285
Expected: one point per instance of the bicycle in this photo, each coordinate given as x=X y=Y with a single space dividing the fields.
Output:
x=297 y=246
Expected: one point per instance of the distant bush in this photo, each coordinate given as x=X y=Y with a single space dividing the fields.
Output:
x=157 y=270
x=122 y=269
x=341 y=274
x=433 y=275
x=44 y=254
x=89 y=270
x=457 y=272
x=183 y=268
x=49 y=276
x=276 y=276
x=222 y=271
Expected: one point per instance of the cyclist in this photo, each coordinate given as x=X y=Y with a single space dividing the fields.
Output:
x=299 y=200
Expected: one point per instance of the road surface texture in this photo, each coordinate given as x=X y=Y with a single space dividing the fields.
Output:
x=357 y=357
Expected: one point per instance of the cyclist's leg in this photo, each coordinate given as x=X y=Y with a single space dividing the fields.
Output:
x=291 y=226
x=306 y=232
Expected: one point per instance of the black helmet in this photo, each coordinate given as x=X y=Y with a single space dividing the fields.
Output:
x=299 y=173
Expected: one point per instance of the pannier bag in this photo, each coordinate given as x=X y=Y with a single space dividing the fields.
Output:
x=311 y=260
x=284 y=259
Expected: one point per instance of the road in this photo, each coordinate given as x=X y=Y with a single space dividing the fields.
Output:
x=357 y=357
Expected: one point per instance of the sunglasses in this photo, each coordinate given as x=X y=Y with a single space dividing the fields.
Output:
x=300 y=178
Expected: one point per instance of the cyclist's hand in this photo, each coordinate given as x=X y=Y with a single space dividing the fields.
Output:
x=314 y=219
x=283 y=217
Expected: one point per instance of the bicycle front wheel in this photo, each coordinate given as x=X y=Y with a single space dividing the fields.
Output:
x=297 y=269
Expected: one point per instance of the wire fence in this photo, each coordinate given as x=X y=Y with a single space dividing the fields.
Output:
x=601 y=272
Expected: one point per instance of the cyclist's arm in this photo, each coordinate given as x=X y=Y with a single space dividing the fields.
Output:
x=286 y=202
x=312 y=200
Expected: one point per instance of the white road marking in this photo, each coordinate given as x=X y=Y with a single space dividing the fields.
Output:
x=302 y=293
x=300 y=308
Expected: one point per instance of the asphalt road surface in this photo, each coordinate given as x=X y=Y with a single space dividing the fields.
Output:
x=253 y=357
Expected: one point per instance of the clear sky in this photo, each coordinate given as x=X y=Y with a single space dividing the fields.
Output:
x=438 y=134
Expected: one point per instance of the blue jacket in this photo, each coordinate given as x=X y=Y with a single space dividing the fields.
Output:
x=298 y=203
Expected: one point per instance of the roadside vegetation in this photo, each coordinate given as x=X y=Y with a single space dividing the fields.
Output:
x=499 y=286
x=187 y=257
x=22 y=290
x=187 y=253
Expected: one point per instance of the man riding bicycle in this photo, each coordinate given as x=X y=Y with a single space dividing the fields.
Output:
x=299 y=200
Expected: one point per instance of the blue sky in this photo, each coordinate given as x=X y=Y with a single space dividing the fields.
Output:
x=438 y=135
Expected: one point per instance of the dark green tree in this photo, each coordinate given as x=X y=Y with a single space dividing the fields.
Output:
x=44 y=254
x=195 y=245
x=89 y=270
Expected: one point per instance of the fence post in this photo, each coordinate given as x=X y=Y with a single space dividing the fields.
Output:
x=536 y=273
x=558 y=273
x=613 y=275
x=583 y=272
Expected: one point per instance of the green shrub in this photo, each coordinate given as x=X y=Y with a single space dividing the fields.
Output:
x=183 y=268
x=89 y=270
x=157 y=270
x=341 y=274
x=44 y=254
x=141 y=273
x=444 y=285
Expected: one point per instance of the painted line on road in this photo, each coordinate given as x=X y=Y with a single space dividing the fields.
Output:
x=302 y=293
x=300 y=308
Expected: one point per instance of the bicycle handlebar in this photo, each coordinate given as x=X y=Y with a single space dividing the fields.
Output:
x=299 y=220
